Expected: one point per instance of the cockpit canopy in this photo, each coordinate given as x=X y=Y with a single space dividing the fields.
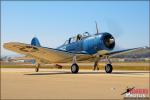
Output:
x=78 y=37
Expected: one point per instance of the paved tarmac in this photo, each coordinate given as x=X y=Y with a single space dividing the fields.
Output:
x=24 y=83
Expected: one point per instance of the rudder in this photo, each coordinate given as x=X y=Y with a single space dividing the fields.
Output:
x=35 y=42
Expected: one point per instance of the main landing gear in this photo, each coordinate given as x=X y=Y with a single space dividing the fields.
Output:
x=108 y=67
x=37 y=67
x=74 y=66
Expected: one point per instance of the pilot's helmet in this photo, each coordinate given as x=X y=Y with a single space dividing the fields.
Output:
x=79 y=35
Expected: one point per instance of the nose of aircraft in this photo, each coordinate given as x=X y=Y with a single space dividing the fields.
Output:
x=111 y=40
x=108 y=40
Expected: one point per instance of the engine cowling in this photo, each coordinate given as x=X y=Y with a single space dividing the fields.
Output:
x=108 y=41
x=100 y=41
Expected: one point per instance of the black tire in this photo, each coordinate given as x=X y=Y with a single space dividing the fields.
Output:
x=74 y=68
x=108 y=68
x=36 y=69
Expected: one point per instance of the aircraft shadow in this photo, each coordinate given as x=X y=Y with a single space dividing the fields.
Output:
x=63 y=72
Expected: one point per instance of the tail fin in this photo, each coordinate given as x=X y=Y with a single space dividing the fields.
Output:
x=35 y=42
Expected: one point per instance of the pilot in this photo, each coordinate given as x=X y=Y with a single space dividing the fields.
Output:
x=79 y=36
x=69 y=40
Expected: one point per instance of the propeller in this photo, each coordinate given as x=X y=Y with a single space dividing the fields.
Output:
x=114 y=28
x=111 y=40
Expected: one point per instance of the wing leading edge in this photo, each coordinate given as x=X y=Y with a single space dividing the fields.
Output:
x=114 y=53
x=43 y=53
x=54 y=55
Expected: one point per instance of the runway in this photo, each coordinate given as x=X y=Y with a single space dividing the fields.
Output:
x=24 y=83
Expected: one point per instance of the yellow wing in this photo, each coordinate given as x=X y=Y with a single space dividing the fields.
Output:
x=43 y=53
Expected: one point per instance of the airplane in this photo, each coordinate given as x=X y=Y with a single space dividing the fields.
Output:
x=127 y=90
x=81 y=47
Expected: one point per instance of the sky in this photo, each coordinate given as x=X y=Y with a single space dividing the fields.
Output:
x=53 y=22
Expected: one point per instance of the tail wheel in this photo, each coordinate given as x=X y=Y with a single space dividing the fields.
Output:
x=37 y=67
x=74 y=68
x=108 y=68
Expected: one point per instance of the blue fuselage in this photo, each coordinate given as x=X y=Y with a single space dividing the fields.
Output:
x=91 y=44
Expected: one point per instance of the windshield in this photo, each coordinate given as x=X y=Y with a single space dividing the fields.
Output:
x=86 y=34
x=76 y=38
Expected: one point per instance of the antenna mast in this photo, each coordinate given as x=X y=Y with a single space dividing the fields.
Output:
x=96 y=28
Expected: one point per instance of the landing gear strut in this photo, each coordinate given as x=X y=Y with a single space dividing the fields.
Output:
x=37 y=67
x=108 y=67
x=96 y=64
x=74 y=67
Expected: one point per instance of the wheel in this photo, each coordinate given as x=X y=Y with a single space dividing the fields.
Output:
x=36 y=69
x=74 y=68
x=108 y=68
